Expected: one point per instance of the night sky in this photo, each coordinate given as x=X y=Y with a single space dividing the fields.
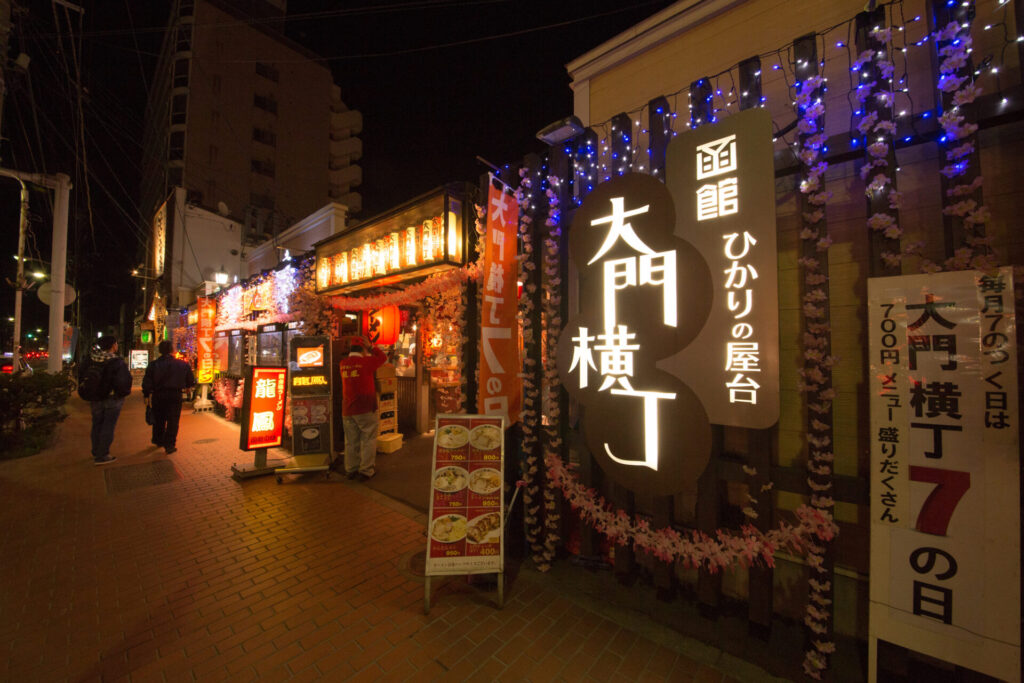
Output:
x=438 y=82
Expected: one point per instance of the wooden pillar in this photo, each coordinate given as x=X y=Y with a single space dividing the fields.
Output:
x=878 y=202
x=761 y=443
x=956 y=234
x=805 y=55
x=659 y=127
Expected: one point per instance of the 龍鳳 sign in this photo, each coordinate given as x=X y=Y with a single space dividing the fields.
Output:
x=263 y=408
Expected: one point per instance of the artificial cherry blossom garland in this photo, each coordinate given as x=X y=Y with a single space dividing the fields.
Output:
x=977 y=253
x=531 y=393
x=432 y=286
x=694 y=549
x=552 y=302
x=877 y=174
x=817 y=372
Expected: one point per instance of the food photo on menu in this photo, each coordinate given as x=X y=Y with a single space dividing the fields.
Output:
x=448 y=528
x=452 y=436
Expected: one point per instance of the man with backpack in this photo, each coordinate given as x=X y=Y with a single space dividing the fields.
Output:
x=165 y=379
x=104 y=381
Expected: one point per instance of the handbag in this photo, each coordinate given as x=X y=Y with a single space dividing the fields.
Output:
x=149 y=415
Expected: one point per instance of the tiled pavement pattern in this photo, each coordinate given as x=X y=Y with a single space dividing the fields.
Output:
x=208 y=578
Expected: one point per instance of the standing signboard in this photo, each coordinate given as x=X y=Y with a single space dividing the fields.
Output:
x=945 y=463
x=262 y=416
x=466 y=518
x=309 y=381
x=138 y=359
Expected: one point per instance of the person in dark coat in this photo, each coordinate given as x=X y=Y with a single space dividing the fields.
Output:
x=165 y=379
x=106 y=410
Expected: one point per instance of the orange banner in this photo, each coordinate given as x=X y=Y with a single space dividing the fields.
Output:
x=500 y=388
x=207 y=309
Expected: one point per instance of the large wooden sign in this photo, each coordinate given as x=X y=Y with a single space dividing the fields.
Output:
x=722 y=182
x=945 y=464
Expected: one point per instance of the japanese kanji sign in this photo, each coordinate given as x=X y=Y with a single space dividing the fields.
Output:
x=945 y=475
x=500 y=392
x=722 y=181
x=644 y=293
x=207 y=321
x=263 y=408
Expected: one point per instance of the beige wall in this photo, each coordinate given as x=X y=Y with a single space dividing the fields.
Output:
x=761 y=27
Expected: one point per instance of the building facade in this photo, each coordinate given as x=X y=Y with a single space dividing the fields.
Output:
x=244 y=128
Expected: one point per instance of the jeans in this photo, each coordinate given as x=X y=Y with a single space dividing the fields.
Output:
x=166 y=414
x=104 y=419
x=361 y=442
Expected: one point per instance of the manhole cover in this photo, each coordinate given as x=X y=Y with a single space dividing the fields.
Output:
x=205 y=441
x=119 y=479
x=413 y=564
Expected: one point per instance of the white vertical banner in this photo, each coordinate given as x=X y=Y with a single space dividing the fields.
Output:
x=945 y=463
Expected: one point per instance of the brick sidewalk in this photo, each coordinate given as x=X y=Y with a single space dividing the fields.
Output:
x=208 y=578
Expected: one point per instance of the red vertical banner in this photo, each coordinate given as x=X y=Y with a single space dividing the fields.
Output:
x=500 y=388
x=207 y=309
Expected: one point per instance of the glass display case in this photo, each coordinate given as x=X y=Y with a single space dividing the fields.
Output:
x=236 y=350
x=270 y=349
x=220 y=352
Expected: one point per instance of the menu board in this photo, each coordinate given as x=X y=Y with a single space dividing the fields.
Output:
x=464 y=529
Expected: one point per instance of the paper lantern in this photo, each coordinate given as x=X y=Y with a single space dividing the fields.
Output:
x=381 y=326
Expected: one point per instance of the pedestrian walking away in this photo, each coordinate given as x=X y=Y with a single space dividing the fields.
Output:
x=359 y=407
x=104 y=380
x=165 y=379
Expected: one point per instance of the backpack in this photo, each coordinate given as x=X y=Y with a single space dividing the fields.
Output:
x=93 y=384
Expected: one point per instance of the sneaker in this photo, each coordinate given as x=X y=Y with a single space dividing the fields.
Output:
x=104 y=461
x=170 y=449
x=360 y=477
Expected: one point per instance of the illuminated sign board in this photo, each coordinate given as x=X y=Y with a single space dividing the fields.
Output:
x=206 y=321
x=147 y=336
x=722 y=182
x=263 y=408
x=309 y=365
x=644 y=293
x=138 y=359
x=393 y=249
x=309 y=357
x=678 y=297
x=160 y=240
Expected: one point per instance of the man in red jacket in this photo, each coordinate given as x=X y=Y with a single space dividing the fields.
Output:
x=359 y=407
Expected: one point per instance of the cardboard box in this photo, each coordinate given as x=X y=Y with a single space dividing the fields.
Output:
x=387 y=385
x=389 y=443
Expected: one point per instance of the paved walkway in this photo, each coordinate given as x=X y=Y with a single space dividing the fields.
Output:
x=208 y=578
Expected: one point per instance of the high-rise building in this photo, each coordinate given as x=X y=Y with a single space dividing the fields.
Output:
x=246 y=134
x=245 y=119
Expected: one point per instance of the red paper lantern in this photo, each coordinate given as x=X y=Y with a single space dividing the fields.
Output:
x=381 y=327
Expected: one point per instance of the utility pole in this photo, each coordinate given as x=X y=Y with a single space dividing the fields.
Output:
x=5 y=34
x=19 y=279
x=61 y=185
